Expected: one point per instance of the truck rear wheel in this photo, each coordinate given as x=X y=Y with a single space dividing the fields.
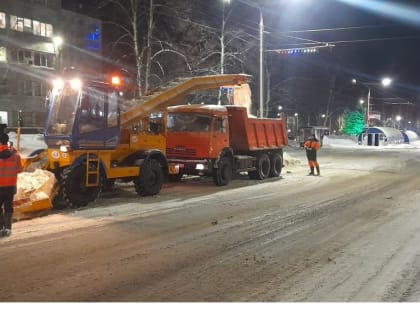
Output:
x=223 y=174
x=276 y=164
x=74 y=190
x=263 y=167
x=149 y=181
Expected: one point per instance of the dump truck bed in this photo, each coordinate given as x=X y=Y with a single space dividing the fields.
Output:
x=249 y=134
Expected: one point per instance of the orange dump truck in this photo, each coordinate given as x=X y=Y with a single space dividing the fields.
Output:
x=219 y=141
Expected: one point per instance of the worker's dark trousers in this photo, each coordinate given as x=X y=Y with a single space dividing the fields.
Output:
x=6 y=206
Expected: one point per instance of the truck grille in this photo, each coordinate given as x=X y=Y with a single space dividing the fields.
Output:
x=181 y=151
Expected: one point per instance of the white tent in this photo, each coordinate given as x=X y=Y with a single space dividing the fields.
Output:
x=410 y=136
x=378 y=136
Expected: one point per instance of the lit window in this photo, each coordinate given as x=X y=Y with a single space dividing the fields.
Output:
x=16 y=23
x=2 y=20
x=2 y=53
x=42 y=29
x=27 y=23
x=36 y=27
x=13 y=19
x=19 y=24
x=49 y=30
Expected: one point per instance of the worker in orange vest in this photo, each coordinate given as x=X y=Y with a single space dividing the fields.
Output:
x=311 y=146
x=10 y=167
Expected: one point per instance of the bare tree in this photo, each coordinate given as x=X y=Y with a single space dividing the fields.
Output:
x=138 y=42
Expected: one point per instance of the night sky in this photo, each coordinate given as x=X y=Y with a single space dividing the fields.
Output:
x=372 y=39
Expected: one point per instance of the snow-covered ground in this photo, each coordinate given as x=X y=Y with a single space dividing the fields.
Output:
x=351 y=234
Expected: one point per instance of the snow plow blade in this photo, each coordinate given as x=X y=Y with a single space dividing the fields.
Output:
x=37 y=159
x=35 y=192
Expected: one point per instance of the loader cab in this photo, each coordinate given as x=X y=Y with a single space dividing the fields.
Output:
x=83 y=115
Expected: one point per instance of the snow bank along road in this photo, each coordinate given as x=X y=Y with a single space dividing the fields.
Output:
x=352 y=234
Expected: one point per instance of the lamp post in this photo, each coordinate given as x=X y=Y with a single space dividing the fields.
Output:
x=297 y=123
x=261 y=33
x=261 y=64
x=384 y=82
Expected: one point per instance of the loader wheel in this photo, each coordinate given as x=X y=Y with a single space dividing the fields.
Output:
x=149 y=181
x=223 y=174
x=276 y=164
x=74 y=189
x=263 y=168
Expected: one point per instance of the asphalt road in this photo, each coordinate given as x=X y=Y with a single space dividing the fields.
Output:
x=352 y=234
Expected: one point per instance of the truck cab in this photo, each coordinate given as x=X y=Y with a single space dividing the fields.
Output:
x=198 y=132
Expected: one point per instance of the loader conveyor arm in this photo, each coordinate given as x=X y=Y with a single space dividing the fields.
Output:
x=175 y=92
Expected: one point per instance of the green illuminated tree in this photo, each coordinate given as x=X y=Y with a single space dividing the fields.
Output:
x=354 y=121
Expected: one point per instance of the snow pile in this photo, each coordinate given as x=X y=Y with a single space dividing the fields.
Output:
x=339 y=141
x=33 y=186
x=288 y=160
x=34 y=192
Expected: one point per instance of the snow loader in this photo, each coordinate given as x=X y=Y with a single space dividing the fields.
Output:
x=95 y=137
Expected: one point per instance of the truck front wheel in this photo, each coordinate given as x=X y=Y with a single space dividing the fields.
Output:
x=149 y=181
x=263 y=168
x=223 y=174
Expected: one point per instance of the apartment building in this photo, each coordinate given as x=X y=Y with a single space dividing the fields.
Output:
x=38 y=39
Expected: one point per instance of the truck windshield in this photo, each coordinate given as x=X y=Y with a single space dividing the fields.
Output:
x=188 y=122
x=62 y=111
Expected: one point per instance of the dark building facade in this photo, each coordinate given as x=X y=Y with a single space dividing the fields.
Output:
x=38 y=39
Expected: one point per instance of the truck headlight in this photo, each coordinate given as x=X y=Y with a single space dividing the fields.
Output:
x=199 y=167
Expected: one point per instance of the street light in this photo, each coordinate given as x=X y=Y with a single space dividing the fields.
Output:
x=384 y=82
x=261 y=32
x=279 y=110
x=297 y=122
x=398 y=119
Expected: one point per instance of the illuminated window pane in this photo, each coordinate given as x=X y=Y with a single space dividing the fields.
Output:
x=27 y=23
x=49 y=30
x=37 y=28
x=42 y=29
x=2 y=54
x=2 y=20
x=13 y=22
x=19 y=24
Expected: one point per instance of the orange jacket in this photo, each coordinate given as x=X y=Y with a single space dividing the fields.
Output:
x=312 y=144
x=10 y=166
